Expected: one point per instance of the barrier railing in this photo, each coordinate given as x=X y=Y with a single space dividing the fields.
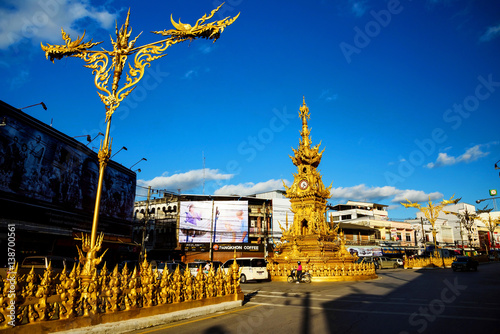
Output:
x=51 y=298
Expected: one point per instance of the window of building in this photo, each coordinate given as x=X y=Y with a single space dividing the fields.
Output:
x=408 y=237
x=345 y=217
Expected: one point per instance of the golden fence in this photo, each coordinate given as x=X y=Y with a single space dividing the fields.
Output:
x=321 y=272
x=68 y=296
x=428 y=262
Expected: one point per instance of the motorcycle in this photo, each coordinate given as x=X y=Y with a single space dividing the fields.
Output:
x=304 y=278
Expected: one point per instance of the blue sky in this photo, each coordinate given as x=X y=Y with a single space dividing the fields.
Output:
x=404 y=95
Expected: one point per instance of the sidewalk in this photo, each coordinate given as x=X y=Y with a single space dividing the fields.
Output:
x=157 y=320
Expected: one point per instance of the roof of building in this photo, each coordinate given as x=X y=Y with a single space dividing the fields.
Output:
x=350 y=226
x=357 y=205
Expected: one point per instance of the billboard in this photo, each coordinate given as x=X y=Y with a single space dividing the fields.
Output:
x=216 y=221
x=44 y=166
x=223 y=247
x=364 y=250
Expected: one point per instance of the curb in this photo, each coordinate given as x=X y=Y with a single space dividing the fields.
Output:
x=145 y=322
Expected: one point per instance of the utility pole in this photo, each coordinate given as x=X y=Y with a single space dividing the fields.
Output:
x=423 y=231
x=212 y=233
x=146 y=220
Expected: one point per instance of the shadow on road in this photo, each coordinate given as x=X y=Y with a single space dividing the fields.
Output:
x=435 y=301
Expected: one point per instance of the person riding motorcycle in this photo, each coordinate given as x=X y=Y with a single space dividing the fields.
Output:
x=299 y=271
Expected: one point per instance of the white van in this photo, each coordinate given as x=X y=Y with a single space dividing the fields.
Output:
x=252 y=268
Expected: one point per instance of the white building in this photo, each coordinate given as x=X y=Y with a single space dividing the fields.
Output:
x=354 y=210
x=365 y=214
x=375 y=216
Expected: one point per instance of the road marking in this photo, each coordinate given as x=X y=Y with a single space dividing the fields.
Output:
x=459 y=317
x=181 y=322
x=401 y=302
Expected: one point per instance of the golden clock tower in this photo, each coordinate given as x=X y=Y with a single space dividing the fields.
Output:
x=310 y=239
x=308 y=194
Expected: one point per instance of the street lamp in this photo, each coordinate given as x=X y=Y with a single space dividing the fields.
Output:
x=99 y=134
x=138 y=170
x=138 y=162
x=41 y=103
x=496 y=165
x=107 y=67
x=487 y=199
x=88 y=137
x=123 y=148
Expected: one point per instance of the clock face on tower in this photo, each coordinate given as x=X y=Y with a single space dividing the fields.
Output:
x=303 y=184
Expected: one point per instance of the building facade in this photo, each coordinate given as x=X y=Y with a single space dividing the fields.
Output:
x=48 y=183
x=393 y=238
x=221 y=226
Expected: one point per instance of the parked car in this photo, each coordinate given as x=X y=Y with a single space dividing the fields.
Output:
x=464 y=263
x=386 y=262
x=251 y=268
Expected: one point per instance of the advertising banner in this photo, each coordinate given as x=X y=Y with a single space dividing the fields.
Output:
x=365 y=250
x=223 y=247
x=216 y=221
x=49 y=169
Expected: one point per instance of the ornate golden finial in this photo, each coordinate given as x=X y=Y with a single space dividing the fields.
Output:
x=304 y=112
x=108 y=65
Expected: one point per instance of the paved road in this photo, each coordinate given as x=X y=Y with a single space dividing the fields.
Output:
x=399 y=301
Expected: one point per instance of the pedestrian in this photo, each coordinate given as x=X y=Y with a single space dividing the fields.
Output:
x=206 y=269
x=299 y=271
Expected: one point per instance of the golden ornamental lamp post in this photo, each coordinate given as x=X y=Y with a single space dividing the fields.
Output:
x=431 y=212
x=108 y=66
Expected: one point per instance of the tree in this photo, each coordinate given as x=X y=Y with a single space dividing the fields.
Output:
x=431 y=212
x=467 y=221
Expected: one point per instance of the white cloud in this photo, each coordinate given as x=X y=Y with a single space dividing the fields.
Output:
x=362 y=192
x=371 y=194
x=359 y=192
x=185 y=181
x=250 y=188
x=42 y=20
x=490 y=34
x=472 y=154
x=416 y=196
